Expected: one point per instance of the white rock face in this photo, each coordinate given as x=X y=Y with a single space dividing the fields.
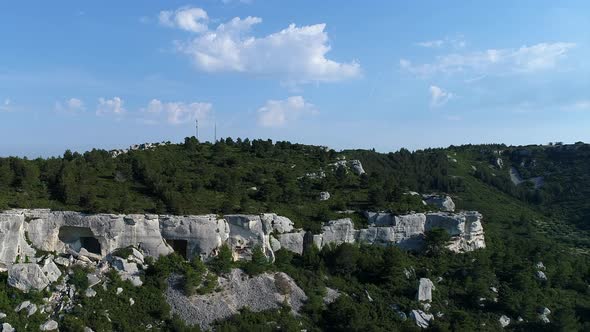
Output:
x=421 y=318
x=292 y=241
x=407 y=231
x=425 y=289
x=13 y=242
x=442 y=202
x=263 y=292
x=92 y=237
x=203 y=234
x=27 y=276
x=336 y=232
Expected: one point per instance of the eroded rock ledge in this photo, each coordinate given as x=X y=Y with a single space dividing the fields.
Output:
x=24 y=232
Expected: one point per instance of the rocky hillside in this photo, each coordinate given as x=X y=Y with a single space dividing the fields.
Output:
x=255 y=235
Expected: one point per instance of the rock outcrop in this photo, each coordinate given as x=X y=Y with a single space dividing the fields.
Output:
x=264 y=292
x=91 y=237
x=442 y=202
x=27 y=276
x=354 y=165
x=425 y=289
x=421 y=318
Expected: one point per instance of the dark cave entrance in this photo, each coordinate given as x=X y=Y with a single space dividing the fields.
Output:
x=80 y=237
x=180 y=246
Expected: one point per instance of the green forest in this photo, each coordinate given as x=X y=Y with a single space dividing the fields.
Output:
x=523 y=224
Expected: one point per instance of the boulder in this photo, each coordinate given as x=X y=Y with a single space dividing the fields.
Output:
x=63 y=261
x=331 y=295
x=425 y=289
x=357 y=167
x=31 y=308
x=7 y=327
x=276 y=224
x=421 y=318
x=543 y=313
x=2 y=315
x=90 y=292
x=27 y=276
x=504 y=321
x=49 y=325
x=50 y=270
x=324 y=196
x=540 y=275
x=442 y=202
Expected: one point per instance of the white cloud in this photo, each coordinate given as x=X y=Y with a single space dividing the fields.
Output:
x=295 y=54
x=278 y=113
x=110 y=106
x=456 y=42
x=438 y=96
x=175 y=112
x=524 y=59
x=6 y=105
x=431 y=43
x=186 y=18
x=72 y=105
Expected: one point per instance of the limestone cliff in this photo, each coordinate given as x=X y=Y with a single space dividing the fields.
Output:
x=24 y=232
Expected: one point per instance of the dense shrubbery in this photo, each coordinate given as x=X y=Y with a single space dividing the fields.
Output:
x=229 y=176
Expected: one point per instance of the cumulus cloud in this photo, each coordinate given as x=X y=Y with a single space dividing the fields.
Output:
x=72 y=106
x=110 y=106
x=6 y=105
x=185 y=18
x=524 y=59
x=438 y=96
x=278 y=113
x=296 y=53
x=175 y=112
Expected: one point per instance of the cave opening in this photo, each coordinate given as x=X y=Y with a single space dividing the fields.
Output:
x=179 y=246
x=80 y=237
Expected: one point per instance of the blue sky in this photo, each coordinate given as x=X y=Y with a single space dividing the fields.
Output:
x=354 y=74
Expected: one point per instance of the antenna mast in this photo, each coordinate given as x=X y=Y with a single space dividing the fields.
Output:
x=215 y=132
x=197 y=128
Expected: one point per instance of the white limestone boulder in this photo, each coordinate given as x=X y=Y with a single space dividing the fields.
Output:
x=27 y=276
x=421 y=318
x=49 y=325
x=441 y=202
x=425 y=288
